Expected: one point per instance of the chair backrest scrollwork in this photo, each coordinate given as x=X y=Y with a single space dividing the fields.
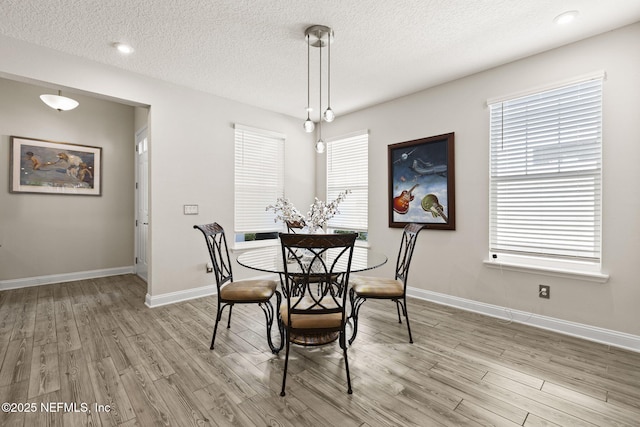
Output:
x=405 y=254
x=218 y=252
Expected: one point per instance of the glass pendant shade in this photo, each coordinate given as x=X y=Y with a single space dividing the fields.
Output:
x=309 y=126
x=320 y=146
x=58 y=102
x=329 y=115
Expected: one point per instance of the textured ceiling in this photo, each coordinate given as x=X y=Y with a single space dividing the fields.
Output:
x=254 y=51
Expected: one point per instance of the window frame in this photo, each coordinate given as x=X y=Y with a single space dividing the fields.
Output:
x=557 y=264
x=272 y=145
x=358 y=184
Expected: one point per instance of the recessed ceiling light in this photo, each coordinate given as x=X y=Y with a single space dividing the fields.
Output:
x=123 y=48
x=566 y=17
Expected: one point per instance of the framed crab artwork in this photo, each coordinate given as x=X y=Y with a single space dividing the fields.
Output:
x=422 y=182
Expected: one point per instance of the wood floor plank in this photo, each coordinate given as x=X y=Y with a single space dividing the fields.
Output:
x=66 y=326
x=25 y=320
x=8 y=312
x=49 y=411
x=120 y=349
x=151 y=357
x=182 y=403
x=146 y=402
x=45 y=371
x=226 y=413
x=76 y=387
x=16 y=366
x=45 y=330
x=109 y=390
x=482 y=415
x=13 y=393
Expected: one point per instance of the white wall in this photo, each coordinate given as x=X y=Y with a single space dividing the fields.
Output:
x=451 y=262
x=191 y=137
x=45 y=234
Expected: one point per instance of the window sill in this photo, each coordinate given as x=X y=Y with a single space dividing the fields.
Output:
x=256 y=244
x=529 y=267
x=245 y=246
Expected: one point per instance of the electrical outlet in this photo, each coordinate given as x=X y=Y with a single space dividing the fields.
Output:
x=544 y=291
x=209 y=268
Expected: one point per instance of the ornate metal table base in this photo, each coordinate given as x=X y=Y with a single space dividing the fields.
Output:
x=313 y=339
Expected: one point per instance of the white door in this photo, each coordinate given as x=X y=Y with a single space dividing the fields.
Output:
x=142 y=203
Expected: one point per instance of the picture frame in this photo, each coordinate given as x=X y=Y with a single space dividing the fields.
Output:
x=48 y=167
x=422 y=182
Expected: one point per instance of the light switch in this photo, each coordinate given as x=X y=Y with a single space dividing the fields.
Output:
x=191 y=209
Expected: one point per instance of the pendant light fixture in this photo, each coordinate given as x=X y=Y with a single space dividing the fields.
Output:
x=59 y=102
x=319 y=36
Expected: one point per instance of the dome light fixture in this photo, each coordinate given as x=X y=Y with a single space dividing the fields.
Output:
x=59 y=102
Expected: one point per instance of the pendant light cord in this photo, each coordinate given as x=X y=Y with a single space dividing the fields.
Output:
x=329 y=69
x=320 y=92
x=308 y=77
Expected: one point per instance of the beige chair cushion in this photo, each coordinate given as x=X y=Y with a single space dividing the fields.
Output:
x=377 y=287
x=311 y=321
x=248 y=290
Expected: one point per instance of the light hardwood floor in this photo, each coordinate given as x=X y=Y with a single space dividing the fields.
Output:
x=94 y=342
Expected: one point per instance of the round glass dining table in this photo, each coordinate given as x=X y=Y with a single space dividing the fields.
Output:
x=270 y=260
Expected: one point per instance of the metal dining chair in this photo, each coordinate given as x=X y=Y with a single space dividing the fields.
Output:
x=364 y=287
x=232 y=292
x=315 y=289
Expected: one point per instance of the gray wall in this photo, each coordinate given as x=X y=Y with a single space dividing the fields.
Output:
x=191 y=155
x=46 y=234
x=450 y=263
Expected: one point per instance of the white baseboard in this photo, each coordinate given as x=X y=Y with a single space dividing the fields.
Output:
x=64 y=277
x=591 y=333
x=186 y=295
x=179 y=296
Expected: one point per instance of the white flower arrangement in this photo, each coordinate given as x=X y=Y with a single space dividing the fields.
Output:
x=319 y=213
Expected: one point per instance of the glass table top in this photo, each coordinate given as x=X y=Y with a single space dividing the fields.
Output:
x=269 y=259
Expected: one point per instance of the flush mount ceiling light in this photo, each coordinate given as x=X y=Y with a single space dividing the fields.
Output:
x=566 y=17
x=59 y=102
x=319 y=36
x=123 y=48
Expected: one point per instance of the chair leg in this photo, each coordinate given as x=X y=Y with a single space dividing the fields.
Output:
x=343 y=344
x=356 y=303
x=406 y=316
x=229 y=319
x=286 y=363
x=267 y=308
x=398 y=307
x=221 y=307
x=215 y=330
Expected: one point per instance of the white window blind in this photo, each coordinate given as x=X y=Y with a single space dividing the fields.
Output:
x=348 y=168
x=545 y=191
x=259 y=178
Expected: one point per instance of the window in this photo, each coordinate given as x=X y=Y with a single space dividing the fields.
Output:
x=348 y=168
x=259 y=181
x=545 y=183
